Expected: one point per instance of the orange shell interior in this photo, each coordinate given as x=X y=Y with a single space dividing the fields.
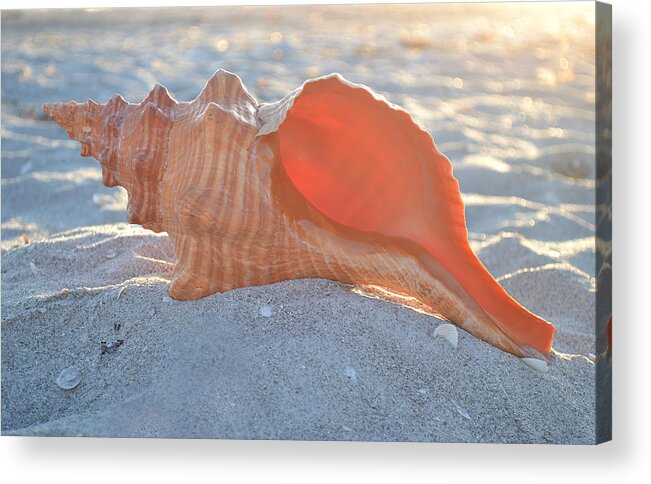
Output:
x=366 y=165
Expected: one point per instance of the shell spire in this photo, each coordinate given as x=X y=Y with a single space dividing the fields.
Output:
x=129 y=141
x=78 y=119
x=332 y=181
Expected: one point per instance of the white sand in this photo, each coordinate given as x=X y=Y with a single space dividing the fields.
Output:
x=508 y=97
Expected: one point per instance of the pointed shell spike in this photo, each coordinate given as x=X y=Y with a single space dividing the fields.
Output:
x=160 y=97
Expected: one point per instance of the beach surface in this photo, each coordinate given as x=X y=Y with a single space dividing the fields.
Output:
x=508 y=93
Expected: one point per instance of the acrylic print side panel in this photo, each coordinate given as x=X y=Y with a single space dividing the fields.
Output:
x=604 y=260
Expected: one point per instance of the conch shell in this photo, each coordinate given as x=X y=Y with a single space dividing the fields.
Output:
x=330 y=182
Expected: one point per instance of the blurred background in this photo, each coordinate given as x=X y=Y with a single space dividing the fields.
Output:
x=498 y=85
x=507 y=91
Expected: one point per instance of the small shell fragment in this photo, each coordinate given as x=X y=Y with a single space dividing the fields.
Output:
x=110 y=254
x=33 y=267
x=265 y=311
x=462 y=411
x=536 y=364
x=69 y=378
x=449 y=333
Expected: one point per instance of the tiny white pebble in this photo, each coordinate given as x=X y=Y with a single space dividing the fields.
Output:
x=265 y=311
x=33 y=267
x=422 y=391
x=42 y=310
x=167 y=299
x=345 y=428
x=351 y=373
x=449 y=333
